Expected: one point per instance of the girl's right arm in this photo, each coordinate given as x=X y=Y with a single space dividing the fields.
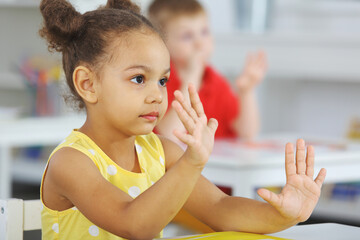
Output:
x=76 y=179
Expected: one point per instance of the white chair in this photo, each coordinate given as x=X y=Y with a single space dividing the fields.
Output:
x=17 y=216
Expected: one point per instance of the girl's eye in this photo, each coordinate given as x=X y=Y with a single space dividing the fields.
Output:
x=138 y=79
x=163 y=81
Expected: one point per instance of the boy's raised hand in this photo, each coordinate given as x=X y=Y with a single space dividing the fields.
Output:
x=200 y=132
x=299 y=196
x=254 y=71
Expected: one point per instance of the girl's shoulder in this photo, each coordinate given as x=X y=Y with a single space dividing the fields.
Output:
x=76 y=143
x=71 y=155
x=70 y=160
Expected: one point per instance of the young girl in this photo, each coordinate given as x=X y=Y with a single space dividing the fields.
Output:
x=113 y=178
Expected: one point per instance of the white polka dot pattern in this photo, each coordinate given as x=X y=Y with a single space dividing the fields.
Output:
x=92 y=151
x=111 y=169
x=162 y=161
x=94 y=231
x=134 y=191
x=138 y=148
x=55 y=227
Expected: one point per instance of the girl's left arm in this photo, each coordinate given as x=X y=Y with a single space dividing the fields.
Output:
x=280 y=211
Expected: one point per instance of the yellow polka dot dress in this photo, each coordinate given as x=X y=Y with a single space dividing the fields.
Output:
x=71 y=223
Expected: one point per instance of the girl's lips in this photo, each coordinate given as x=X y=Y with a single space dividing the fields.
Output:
x=151 y=116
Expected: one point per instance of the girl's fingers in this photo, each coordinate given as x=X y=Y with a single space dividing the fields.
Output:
x=195 y=101
x=213 y=125
x=321 y=177
x=300 y=157
x=185 y=105
x=184 y=117
x=310 y=155
x=183 y=137
x=270 y=197
x=290 y=168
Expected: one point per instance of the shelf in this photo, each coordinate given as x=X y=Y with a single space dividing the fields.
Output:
x=303 y=58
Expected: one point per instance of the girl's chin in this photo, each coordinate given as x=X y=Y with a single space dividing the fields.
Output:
x=145 y=131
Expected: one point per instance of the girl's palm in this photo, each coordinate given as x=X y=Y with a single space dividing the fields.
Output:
x=200 y=132
x=299 y=196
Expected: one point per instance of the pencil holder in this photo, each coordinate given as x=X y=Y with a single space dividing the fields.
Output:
x=41 y=77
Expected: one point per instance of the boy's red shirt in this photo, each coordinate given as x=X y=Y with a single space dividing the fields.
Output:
x=217 y=97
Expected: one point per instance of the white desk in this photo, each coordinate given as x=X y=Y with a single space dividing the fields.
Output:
x=30 y=132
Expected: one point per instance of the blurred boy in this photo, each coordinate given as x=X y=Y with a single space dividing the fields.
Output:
x=186 y=28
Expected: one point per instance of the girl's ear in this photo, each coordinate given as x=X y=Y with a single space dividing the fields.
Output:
x=84 y=83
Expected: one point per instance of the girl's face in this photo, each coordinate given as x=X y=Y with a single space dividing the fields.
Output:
x=187 y=35
x=132 y=93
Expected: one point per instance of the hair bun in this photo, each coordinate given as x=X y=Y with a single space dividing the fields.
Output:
x=123 y=5
x=62 y=23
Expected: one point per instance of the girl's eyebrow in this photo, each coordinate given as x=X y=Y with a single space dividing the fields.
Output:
x=145 y=68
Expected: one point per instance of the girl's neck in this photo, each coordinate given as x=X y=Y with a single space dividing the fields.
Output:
x=119 y=147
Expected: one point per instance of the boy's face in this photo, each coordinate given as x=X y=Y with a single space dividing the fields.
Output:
x=187 y=35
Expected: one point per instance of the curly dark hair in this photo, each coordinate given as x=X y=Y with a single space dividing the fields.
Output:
x=84 y=38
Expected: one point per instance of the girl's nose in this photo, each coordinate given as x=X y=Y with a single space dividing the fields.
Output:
x=155 y=95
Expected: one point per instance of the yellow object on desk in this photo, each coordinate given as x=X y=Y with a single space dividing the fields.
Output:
x=228 y=236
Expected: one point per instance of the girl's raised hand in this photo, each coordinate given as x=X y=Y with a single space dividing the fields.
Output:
x=299 y=196
x=200 y=132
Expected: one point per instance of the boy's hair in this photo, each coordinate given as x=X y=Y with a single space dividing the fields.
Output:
x=84 y=38
x=162 y=11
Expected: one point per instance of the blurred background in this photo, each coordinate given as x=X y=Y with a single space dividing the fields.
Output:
x=313 y=50
x=312 y=85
